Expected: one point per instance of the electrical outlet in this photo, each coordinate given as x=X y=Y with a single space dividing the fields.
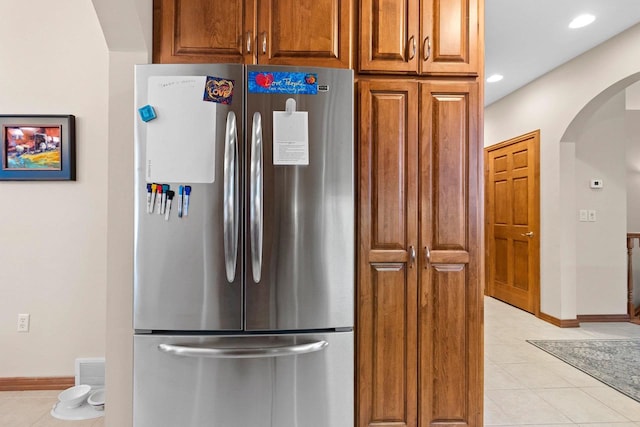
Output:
x=592 y=215
x=23 y=322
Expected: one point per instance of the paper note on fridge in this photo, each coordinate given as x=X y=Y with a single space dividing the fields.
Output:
x=290 y=138
x=181 y=140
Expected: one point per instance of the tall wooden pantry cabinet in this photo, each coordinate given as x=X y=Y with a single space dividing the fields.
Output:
x=418 y=67
x=419 y=326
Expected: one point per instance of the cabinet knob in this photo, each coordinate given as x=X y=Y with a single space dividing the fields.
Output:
x=426 y=48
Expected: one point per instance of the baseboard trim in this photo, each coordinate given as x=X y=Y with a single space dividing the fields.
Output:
x=36 y=383
x=561 y=323
x=603 y=318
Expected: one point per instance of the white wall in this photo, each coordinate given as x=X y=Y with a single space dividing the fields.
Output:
x=127 y=27
x=632 y=124
x=120 y=241
x=54 y=60
x=79 y=291
x=632 y=121
x=601 y=245
x=550 y=104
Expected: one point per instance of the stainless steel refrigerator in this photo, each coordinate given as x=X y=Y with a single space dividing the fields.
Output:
x=244 y=246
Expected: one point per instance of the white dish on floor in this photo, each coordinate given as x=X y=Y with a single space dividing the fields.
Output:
x=74 y=396
x=82 y=412
x=96 y=400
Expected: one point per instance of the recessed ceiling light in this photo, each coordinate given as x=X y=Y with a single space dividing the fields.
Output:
x=582 y=21
x=494 y=78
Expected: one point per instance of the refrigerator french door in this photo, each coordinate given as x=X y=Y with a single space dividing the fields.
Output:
x=247 y=289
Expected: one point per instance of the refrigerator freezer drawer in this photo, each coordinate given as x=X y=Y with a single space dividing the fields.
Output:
x=303 y=380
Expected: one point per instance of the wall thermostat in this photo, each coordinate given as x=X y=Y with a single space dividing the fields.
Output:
x=596 y=183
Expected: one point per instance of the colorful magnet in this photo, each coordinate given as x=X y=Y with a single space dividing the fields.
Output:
x=218 y=90
x=283 y=82
x=147 y=113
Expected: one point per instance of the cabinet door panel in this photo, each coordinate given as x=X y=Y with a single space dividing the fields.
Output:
x=188 y=31
x=449 y=37
x=450 y=312
x=305 y=32
x=389 y=35
x=387 y=288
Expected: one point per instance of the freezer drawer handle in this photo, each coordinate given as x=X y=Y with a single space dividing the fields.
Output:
x=242 y=352
x=255 y=202
x=231 y=197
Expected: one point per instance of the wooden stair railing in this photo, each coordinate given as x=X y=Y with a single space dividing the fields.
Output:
x=631 y=309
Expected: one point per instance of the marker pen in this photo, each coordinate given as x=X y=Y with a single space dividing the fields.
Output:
x=165 y=188
x=187 y=192
x=148 y=198
x=159 y=199
x=154 y=188
x=180 y=192
x=168 y=208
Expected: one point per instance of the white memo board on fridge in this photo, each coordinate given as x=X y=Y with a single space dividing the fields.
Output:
x=181 y=140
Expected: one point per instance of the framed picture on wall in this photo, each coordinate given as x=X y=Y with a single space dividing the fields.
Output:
x=37 y=148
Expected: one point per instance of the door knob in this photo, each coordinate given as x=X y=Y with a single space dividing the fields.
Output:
x=529 y=234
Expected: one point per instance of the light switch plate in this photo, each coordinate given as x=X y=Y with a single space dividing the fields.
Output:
x=584 y=217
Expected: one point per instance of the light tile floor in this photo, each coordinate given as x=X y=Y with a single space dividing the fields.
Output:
x=524 y=386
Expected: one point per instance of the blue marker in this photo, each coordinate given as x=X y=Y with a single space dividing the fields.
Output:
x=180 y=192
x=187 y=191
x=148 y=198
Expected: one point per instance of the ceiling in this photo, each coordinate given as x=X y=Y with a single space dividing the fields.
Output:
x=525 y=39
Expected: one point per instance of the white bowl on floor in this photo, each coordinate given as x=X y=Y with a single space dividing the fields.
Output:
x=74 y=396
x=96 y=399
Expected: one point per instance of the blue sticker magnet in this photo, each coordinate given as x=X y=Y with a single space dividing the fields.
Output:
x=283 y=82
x=218 y=90
x=147 y=113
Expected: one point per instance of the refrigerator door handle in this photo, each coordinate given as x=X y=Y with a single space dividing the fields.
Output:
x=242 y=352
x=231 y=196
x=255 y=202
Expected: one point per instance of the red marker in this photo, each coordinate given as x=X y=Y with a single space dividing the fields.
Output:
x=159 y=199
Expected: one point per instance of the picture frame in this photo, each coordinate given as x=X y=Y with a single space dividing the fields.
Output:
x=37 y=148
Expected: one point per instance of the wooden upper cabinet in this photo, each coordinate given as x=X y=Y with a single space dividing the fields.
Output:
x=203 y=31
x=305 y=32
x=389 y=35
x=431 y=37
x=284 y=32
